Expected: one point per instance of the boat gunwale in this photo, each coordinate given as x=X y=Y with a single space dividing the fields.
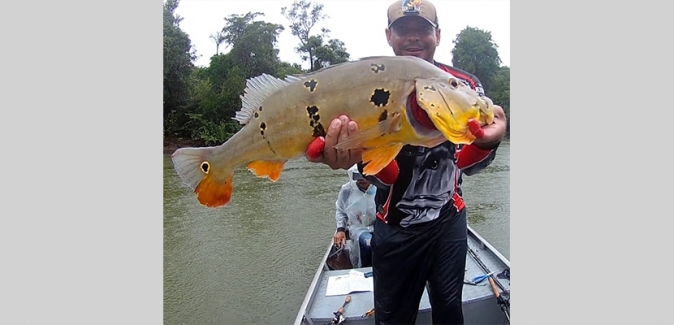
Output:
x=488 y=246
x=311 y=292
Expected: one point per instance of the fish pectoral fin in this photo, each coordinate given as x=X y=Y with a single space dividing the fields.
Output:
x=376 y=159
x=267 y=168
x=357 y=140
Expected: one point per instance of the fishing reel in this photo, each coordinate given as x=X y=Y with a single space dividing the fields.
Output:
x=339 y=314
x=338 y=319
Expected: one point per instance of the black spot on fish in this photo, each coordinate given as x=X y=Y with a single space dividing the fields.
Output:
x=260 y=109
x=205 y=167
x=431 y=88
x=257 y=115
x=380 y=97
x=377 y=67
x=311 y=84
x=318 y=130
x=314 y=121
x=263 y=127
x=312 y=110
x=382 y=117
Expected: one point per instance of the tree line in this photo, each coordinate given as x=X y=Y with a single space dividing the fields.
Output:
x=199 y=102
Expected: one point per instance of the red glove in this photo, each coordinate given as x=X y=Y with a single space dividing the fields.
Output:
x=475 y=128
x=471 y=154
x=316 y=147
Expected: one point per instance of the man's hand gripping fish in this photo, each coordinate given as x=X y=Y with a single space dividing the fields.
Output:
x=282 y=116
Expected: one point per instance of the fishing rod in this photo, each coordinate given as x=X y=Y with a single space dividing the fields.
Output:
x=485 y=268
x=502 y=302
x=505 y=304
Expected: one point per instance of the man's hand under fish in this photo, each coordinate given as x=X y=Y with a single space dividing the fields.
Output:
x=321 y=150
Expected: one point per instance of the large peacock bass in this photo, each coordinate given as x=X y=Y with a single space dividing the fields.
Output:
x=282 y=116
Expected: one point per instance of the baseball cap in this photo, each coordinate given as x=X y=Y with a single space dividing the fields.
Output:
x=421 y=8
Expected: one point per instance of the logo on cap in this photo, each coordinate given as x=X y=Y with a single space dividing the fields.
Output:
x=411 y=6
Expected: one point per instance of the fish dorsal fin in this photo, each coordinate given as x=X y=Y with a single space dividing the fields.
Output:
x=256 y=91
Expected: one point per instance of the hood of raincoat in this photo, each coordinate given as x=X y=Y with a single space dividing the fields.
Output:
x=354 y=175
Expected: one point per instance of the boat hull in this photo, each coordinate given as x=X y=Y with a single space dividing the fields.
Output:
x=479 y=303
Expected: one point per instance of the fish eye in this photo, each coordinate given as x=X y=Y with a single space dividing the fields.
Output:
x=453 y=83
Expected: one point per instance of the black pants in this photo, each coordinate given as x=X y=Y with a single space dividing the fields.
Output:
x=405 y=259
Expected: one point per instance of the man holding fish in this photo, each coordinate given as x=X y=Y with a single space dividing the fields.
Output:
x=413 y=125
x=420 y=231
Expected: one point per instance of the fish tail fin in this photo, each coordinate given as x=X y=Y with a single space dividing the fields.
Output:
x=211 y=183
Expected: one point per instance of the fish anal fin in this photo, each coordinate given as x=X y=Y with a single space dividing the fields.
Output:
x=212 y=192
x=267 y=168
x=377 y=158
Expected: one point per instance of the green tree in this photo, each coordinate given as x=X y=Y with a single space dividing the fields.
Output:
x=475 y=52
x=178 y=64
x=500 y=92
x=332 y=53
x=284 y=69
x=253 y=43
x=218 y=38
x=303 y=16
x=317 y=49
x=213 y=95
x=215 y=91
x=214 y=100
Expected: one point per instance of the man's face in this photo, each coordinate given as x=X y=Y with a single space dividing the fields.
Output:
x=363 y=184
x=413 y=36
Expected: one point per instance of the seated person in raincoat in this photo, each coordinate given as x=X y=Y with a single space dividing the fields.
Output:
x=356 y=214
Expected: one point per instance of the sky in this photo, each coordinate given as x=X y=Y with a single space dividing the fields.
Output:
x=359 y=24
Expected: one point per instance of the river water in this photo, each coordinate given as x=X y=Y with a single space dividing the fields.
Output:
x=252 y=261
